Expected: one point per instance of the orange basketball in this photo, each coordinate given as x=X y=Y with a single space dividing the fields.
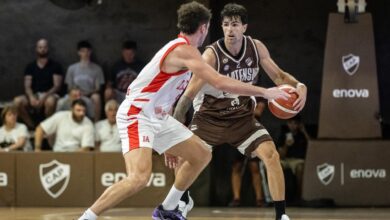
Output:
x=281 y=108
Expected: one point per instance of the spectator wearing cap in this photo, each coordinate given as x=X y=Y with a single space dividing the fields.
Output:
x=123 y=73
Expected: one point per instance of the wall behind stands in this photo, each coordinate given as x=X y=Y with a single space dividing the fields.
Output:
x=294 y=32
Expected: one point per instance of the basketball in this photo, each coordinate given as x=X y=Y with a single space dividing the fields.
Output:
x=281 y=108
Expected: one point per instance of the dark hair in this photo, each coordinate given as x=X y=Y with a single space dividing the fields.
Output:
x=129 y=44
x=83 y=44
x=79 y=102
x=191 y=16
x=6 y=109
x=232 y=10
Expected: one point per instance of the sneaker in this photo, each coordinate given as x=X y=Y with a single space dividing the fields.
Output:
x=284 y=217
x=160 y=214
x=185 y=208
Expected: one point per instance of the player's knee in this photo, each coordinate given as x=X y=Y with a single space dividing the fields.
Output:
x=272 y=158
x=138 y=180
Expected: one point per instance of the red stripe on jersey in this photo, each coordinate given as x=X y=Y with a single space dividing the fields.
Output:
x=159 y=81
x=133 y=110
x=184 y=37
x=132 y=132
x=168 y=51
x=142 y=100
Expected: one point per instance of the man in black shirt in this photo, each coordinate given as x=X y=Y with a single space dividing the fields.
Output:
x=42 y=81
x=123 y=73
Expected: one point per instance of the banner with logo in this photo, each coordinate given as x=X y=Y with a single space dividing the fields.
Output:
x=110 y=168
x=54 y=179
x=7 y=179
x=352 y=173
x=349 y=98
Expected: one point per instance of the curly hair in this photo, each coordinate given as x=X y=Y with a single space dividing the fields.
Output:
x=235 y=10
x=191 y=16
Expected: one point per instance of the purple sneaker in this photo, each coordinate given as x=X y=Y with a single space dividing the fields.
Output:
x=160 y=214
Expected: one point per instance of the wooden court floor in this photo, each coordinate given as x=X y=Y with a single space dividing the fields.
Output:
x=200 y=214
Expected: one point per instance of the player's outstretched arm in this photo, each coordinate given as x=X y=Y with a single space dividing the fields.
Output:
x=191 y=58
x=279 y=76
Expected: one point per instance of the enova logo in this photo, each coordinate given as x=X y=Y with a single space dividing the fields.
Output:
x=351 y=93
x=3 y=179
x=156 y=179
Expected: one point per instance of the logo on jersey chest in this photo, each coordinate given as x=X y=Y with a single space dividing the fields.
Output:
x=244 y=74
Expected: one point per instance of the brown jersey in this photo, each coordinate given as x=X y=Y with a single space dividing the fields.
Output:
x=219 y=105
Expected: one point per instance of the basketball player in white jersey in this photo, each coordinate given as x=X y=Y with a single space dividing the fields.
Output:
x=144 y=122
x=237 y=56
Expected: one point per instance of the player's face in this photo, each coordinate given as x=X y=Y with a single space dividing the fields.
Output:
x=78 y=113
x=233 y=29
x=111 y=114
x=42 y=48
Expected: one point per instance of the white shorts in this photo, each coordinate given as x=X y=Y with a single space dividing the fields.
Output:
x=138 y=130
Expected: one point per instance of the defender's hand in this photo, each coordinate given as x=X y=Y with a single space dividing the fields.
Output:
x=170 y=161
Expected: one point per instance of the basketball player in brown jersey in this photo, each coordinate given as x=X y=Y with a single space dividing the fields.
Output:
x=222 y=117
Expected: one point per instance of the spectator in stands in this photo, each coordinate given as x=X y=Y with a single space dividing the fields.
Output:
x=65 y=103
x=107 y=135
x=42 y=81
x=292 y=150
x=123 y=73
x=87 y=75
x=13 y=135
x=73 y=131
x=253 y=165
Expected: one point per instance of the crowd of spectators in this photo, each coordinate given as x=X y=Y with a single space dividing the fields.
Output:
x=74 y=121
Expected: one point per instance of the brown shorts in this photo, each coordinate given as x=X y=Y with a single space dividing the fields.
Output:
x=245 y=134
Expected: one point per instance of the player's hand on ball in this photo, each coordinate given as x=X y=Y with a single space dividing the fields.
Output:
x=276 y=93
x=170 y=161
x=301 y=90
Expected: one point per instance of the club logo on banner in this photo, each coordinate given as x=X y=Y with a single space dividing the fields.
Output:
x=325 y=173
x=54 y=177
x=350 y=63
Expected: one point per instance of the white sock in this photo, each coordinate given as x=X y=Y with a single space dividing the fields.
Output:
x=172 y=198
x=88 y=215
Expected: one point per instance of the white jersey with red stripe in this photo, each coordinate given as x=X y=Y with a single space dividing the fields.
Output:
x=154 y=92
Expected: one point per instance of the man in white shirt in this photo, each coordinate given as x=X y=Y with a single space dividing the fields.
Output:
x=107 y=135
x=74 y=131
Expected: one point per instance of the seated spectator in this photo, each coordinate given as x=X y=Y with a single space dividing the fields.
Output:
x=123 y=73
x=292 y=149
x=87 y=76
x=107 y=136
x=65 y=103
x=13 y=135
x=42 y=81
x=73 y=131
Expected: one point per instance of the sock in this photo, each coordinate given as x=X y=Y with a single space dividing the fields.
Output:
x=172 y=199
x=185 y=196
x=280 y=207
x=88 y=215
